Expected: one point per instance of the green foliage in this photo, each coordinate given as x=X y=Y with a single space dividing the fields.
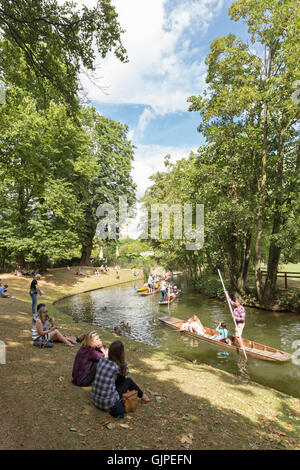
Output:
x=44 y=45
x=209 y=284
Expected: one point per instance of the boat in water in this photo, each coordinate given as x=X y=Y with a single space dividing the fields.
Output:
x=257 y=350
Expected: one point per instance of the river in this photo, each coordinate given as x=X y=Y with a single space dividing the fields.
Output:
x=105 y=308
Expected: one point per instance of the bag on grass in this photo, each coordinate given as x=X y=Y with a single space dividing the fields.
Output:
x=130 y=401
x=42 y=343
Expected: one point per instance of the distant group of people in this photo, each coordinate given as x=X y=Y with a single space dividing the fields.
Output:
x=102 y=269
x=167 y=290
x=23 y=272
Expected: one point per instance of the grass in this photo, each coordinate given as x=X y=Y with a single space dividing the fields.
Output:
x=194 y=406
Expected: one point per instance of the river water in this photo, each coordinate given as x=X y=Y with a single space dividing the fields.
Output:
x=105 y=308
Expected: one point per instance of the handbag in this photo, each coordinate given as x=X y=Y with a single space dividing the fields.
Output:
x=42 y=343
x=130 y=401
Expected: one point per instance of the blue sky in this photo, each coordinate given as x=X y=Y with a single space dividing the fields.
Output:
x=167 y=42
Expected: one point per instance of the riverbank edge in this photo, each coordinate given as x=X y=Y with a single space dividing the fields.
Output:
x=287 y=302
x=19 y=370
x=94 y=289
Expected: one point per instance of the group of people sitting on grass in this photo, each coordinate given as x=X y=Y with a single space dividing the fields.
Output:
x=94 y=364
x=107 y=371
x=102 y=269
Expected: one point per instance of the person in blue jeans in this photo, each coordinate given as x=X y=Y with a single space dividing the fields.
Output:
x=34 y=291
x=163 y=289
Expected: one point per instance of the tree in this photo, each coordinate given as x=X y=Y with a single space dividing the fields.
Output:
x=113 y=152
x=250 y=110
x=43 y=155
x=54 y=43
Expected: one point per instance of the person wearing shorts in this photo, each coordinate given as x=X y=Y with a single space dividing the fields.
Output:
x=239 y=314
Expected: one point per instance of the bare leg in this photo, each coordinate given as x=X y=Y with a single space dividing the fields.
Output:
x=56 y=335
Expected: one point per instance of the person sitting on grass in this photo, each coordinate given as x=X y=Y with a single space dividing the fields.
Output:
x=87 y=358
x=111 y=382
x=41 y=332
x=3 y=292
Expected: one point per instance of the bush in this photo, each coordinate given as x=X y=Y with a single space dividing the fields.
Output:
x=210 y=285
x=290 y=301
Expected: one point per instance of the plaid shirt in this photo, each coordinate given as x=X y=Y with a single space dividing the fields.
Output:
x=83 y=363
x=104 y=390
x=239 y=313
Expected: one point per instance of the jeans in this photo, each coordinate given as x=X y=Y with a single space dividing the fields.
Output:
x=34 y=302
x=164 y=295
x=125 y=384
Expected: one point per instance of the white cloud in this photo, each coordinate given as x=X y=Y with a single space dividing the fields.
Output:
x=162 y=71
x=150 y=158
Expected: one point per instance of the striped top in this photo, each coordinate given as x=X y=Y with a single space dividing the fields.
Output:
x=239 y=313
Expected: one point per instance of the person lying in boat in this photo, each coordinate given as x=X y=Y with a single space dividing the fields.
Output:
x=224 y=333
x=186 y=325
x=193 y=325
x=196 y=326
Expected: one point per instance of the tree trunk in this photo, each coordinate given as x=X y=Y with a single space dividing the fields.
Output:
x=86 y=252
x=233 y=267
x=274 y=249
x=260 y=214
x=273 y=261
x=245 y=258
x=87 y=236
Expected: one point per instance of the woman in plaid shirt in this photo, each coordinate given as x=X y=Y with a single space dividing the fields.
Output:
x=110 y=382
x=86 y=360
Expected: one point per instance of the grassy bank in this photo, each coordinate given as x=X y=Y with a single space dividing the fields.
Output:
x=193 y=406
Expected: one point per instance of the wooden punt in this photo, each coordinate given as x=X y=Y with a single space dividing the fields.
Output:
x=154 y=291
x=259 y=351
x=145 y=287
x=172 y=298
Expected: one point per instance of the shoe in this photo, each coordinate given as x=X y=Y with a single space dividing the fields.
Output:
x=145 y=400
x=80 y=338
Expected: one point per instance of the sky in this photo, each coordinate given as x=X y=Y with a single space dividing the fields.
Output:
x=166 y=42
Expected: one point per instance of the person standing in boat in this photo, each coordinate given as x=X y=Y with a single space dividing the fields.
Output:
x=163 y=289
x=239 y=314
x=150 y=283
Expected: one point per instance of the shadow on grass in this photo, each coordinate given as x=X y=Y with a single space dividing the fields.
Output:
x=193 y=406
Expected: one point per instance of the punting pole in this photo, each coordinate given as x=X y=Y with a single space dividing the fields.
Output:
x=230 y=308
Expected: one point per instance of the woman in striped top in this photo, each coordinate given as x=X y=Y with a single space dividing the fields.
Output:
x=40 y=329
x=239 y=314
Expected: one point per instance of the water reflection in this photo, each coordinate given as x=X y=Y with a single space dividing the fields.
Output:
x=108 y=307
